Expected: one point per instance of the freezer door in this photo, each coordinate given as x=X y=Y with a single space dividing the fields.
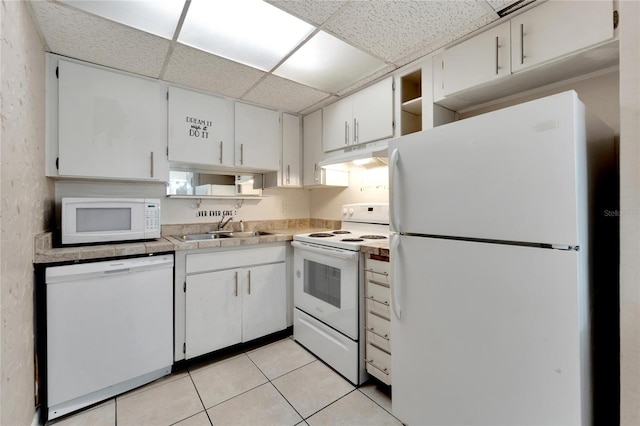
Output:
x=514 y=174
x=488 y=334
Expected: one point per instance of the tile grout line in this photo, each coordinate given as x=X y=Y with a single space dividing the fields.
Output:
x=376 y=402
x=199 y=397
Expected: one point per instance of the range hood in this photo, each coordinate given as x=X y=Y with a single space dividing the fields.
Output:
x=358 y=157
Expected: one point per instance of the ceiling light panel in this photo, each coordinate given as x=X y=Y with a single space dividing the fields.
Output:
x=251 y=32
x=327 y=63
x=159 y=17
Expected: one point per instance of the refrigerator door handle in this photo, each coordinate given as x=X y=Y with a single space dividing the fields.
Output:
x=393 y=192
x=395 y=279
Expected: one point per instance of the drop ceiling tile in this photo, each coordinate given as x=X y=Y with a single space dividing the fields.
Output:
x=447 y=38
x=394 y=29
x=82 y=36
x=200 y=70
x=284 y=94
x=312 y=11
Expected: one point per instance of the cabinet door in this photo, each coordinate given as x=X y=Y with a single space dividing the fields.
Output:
x=337 y=125
x=312 y=147
x=258 y=137
x=111 y=125
x=558 y=28
x=200 y=128
x=264 y=309
x=213 y=311
x=487 y=54
x=373 y=112
x=291 y=151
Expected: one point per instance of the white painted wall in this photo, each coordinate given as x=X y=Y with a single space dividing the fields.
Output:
x=26 y=205
x=630 y=206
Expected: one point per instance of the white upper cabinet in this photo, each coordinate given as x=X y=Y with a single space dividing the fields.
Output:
x=480 y=59
x=258 y=137
x=373 y=112
x=558 y=28
x=200 y=128
x=110 y=125
x=365 y=116
x=291 y=150
x=337 y=125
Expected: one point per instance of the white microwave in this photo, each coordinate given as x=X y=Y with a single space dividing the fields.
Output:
x=99 y=220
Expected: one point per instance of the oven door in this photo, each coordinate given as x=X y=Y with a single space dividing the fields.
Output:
x=326 y=285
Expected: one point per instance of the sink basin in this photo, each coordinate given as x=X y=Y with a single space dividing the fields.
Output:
x=200 y=237
x=244 y=234
x=220 y=234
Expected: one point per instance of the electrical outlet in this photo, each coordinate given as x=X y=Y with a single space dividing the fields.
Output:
x=285 y=207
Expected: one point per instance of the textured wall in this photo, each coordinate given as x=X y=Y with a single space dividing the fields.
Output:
x=630 y=212
x=25 y=204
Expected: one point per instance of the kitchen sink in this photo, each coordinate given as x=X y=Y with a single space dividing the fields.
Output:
x=200 y=237
x=220 y=234
x=244 y=234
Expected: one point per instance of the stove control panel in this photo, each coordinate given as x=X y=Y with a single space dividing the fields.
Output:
x=366 y=212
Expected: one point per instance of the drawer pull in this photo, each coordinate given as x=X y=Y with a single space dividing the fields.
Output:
x=370 y=362
x=386 y=274
x=386 y=336
x=380 y=283
x=378 y=301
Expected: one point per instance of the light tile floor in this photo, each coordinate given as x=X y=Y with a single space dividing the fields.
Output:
x=277 y=384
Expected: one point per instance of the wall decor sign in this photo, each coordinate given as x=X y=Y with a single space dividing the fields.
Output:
x=198 y=128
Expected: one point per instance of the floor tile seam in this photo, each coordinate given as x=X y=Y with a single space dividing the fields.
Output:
x=235 y=396
x=200 y=398
x=193 y=415
x=288 y=402
x=376 y=402
x=329 y=405
x=195 y=369
x=284 y=374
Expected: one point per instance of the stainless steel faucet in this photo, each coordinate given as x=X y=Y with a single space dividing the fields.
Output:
x=224 y=223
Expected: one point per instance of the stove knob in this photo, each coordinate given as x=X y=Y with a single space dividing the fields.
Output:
x=350 y=212
x=344 y=212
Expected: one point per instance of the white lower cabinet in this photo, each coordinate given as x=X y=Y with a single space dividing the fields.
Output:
x=229 y=306
x=378 y=319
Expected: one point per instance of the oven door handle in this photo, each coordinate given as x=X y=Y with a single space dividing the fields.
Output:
x=328 y=251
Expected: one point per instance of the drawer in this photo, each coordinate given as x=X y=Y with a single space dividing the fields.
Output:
x=379 y=341
x=384 y=377
x=377 y=267
x=378 y=291
x=378 y=325
x=378 y=358
x=379 y=309
x=227 y=259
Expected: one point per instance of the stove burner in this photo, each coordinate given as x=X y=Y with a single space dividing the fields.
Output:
x=352 y=240
x=374 y=237
x=320 y=235
x=340 y=232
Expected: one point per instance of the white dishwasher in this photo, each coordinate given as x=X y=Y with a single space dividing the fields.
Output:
x=109 y=329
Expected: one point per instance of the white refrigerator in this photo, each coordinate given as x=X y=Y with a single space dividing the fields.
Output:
x=490 y=250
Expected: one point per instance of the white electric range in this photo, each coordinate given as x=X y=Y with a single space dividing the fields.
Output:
x=329 y=290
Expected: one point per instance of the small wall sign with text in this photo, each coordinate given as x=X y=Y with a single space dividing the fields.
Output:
x=216 y=213
x=198 y=128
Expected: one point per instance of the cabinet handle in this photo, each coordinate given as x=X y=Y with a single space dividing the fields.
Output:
x=288 y=173
x=241 y=154
x=521 y=44
x=151 y=158
x=236 y=284
x=497 y=47
x=249 y=281
x=220 y=152
x=315 y=172
x=355 y=130
x=346 y=133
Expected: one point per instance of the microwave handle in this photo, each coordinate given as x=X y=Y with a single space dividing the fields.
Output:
x=327 y=251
